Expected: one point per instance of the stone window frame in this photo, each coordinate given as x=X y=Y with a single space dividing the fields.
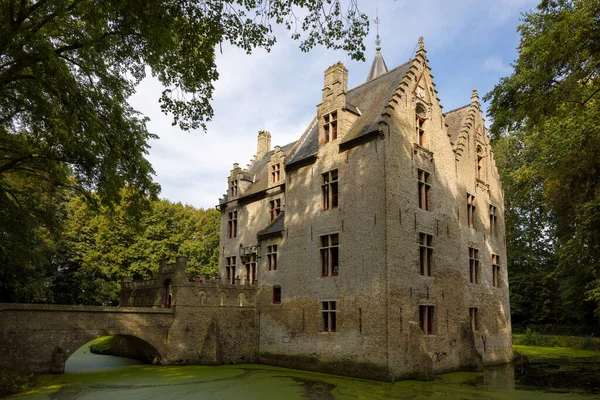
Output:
x=251 y=267
x=479 y=154
x=471 y=207
x=276 y=294
x=329 y=311
x=495 y=270
x=271 y=255
x=427 y=319
x=232 y=224
x=424 y=189
x=329 y=251
x=274 y=208
x=425 y=242
x=330 y=127
x=330 y=189
x=234 y=188
x=420 y=131
x=493 y=211
x=474 y=318
x=473 y=265
x=275 y=172
x=230 y=264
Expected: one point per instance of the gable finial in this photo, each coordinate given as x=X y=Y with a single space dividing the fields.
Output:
x=376 y=22
x=421 y=44
x=474 y=97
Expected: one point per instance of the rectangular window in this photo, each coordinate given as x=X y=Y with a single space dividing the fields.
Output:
x=329 y=316
x=230 y=269
x=470 y=210
x=330 y=127
x=420 y=122
x=425 y=253
x=426 y=319
x=474 y=318
x=274 y=208
x=423 y=187
x=330 y=254
x=277 y=295
x=234 y=188
x=251 y=273
x=495 y=270
x=272 y=257
x=275 y=172
x=330 y=189
x=473 y=265
x=232 y=227
x=493 y=220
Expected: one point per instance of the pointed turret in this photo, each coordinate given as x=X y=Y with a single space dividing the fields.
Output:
x=378 y=67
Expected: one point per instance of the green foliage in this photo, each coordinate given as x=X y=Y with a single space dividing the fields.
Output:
x=546 y=127
x=67 y=69
x=15 y=380
x=532 y=338
x=102 y=345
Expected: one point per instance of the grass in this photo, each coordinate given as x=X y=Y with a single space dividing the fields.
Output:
x=15 y=380
x=531 y=338
x=553 y=352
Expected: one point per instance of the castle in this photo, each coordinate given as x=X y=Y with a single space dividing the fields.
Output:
x=374 y=246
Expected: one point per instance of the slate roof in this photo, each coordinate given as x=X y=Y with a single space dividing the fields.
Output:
x=276 y=226
x=455 y=120
x=378 y=67
x=367 y=100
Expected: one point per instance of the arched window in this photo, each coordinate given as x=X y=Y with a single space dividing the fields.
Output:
x=222 y=298
x=241 y=299
x=202 y=297
x=420 y=116
x=168 y=293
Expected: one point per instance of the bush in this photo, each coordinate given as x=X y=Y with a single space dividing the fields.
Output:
x=532 y=338
x=15 y=380
x=102 y=345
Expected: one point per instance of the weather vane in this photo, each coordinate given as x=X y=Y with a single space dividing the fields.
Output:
x=376 y=22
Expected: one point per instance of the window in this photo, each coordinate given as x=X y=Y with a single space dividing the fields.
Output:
x=474 y=318
x=230 y=269
x=420 y=125
x=493 y=220
x=473 y=265
x=232 y=232
x=329 y=314
x=426 y=319
x=470 y=210
x=479 y=158
x=330 y=254
x=274 y=208
x=275 y=172
x=251 y=272
x=277 y=295
x=425 y=253
x=330 y=127
x=234 y=188
x=423 y=187
x=330 y=189
x=272 y=257
x=495 y=270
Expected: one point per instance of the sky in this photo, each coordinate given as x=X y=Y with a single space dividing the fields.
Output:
x=470 y=44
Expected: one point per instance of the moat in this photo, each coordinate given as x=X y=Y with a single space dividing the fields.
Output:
x=91 y=376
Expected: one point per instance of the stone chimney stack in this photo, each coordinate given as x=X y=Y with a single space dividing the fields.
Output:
x=336 y=81
x=263 y=145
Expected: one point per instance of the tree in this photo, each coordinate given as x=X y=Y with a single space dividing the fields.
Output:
x=550 y=105
x=67 y=68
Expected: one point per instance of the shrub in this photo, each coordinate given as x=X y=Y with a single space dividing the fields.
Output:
x=15 y=380
x=102 y=345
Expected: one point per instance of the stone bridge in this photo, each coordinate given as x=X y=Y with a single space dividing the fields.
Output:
x=42 y=337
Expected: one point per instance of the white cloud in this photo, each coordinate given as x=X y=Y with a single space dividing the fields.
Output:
x=279 y=91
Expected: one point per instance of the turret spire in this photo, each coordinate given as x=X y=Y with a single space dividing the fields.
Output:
x=378 y=67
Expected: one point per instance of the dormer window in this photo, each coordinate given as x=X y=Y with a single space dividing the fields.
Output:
x=330 y=127
x=275 y=172
x=420 y=114
x=234 y=188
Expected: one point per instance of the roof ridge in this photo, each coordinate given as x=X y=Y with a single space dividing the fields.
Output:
x=457 y=109
x=382 y=75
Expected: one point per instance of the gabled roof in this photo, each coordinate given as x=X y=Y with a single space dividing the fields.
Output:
x=455 y=120
x=368 y=101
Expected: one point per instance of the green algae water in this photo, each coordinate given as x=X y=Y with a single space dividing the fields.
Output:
x=114 y=380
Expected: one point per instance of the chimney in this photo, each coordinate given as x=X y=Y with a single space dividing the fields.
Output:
x=263 y=145
x=336 y=81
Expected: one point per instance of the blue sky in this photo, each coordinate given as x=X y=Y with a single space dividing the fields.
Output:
x=470 y=44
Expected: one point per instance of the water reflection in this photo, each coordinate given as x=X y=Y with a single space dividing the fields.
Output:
x=83 y=360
